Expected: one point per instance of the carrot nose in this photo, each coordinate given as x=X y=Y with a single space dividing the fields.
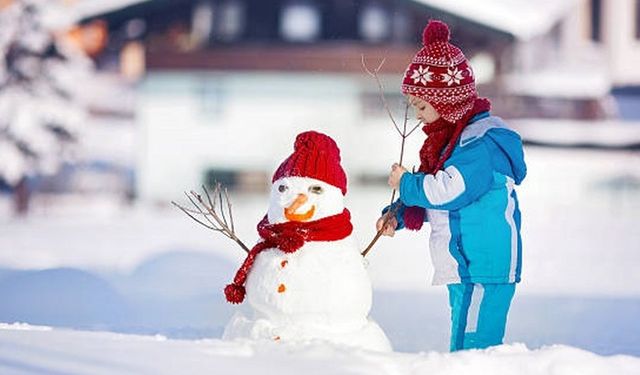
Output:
x=299 y=201
x=290 y=212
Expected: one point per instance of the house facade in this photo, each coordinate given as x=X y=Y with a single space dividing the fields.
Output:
x=227 y=84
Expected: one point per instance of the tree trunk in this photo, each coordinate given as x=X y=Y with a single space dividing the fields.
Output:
x=21 y=197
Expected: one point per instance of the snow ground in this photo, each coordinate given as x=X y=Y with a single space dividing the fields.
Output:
x=94 y=264
x=37 y=350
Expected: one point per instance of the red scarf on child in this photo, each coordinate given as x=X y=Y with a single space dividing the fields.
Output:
x=442 y=137
x=288 y=237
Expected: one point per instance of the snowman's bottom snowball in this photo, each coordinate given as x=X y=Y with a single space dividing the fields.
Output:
x=365 y=334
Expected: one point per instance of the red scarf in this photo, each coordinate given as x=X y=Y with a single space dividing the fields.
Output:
x=442 y=137
x=288 y=237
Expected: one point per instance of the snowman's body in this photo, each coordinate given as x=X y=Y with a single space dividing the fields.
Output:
x=321 y=291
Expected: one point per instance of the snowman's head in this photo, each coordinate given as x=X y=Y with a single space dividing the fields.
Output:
x=303 y=199
x=310 y=184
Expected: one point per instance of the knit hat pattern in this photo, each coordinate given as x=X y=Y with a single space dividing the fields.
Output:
x=441 y=75
x=315 y=155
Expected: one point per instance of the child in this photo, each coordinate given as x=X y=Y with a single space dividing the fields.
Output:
x=464 y=188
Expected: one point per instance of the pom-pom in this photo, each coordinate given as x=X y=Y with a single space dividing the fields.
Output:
x=234 y=293
x=414 y=217
x=436 y=31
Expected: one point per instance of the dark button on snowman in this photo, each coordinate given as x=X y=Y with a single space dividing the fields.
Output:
x=306 y=279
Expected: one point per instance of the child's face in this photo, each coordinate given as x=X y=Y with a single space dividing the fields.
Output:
x=424 y=111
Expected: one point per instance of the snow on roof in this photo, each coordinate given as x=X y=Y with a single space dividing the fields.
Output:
x=524 y=19
x=88 y=8
x=60 y=16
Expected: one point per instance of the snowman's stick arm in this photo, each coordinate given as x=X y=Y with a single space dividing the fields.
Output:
x=226 y=196
x=223 y=224
x=212 y=204
x=224 y=218
x=212 y=219
x=199 y=198
x=188 y=213
x=211 y=209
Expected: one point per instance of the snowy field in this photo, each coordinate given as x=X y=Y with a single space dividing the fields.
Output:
x=154 y=279
x=28 y=349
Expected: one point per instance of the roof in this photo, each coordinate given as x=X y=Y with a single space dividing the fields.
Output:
x=524 y=19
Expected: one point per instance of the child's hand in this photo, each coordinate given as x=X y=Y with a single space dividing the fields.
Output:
x=396 y=174
x=389 y=228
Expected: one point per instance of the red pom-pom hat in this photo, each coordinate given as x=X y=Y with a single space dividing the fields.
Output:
x=440 y=74
x=315 y=155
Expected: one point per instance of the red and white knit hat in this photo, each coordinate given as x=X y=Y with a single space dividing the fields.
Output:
x=440 y=74
x=315 y=155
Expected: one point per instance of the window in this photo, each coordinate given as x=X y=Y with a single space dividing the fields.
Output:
x=374 y=23
x=300 y=22
x=596 y=20
x=230 y=20
x=201 y=23
x=213 y=176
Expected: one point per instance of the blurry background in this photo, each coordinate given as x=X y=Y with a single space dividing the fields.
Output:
x=111 y=109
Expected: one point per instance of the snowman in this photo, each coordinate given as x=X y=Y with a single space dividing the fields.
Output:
x=305 y=280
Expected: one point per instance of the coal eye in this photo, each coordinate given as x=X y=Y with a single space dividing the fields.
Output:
x=282 y=188
x=316 y=189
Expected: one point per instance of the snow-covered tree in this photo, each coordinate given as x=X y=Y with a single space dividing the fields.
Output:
x=41 y=82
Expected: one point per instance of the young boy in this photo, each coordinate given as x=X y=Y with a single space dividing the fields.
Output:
x=470 y=163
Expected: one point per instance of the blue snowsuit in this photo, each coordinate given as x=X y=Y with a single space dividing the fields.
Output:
x=475 y=241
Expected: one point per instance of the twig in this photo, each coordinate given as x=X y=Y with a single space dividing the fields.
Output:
x=186 y=211
x=374 y=74
x=212 y=212
x=226 y=196
x=403 y=134
x=219 y=189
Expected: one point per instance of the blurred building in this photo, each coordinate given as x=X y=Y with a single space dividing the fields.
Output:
x=224 y=85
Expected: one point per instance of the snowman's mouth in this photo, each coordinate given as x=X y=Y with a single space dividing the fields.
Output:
x=290 y=212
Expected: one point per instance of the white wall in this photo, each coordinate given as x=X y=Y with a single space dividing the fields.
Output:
x=260 y=115
x=622 y=47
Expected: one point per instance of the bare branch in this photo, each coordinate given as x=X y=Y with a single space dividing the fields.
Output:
x=219 y=192
x=213 y=213
x=414 y=128
x=404 y=135
x=199 y=198
x=226 y=196
x=213 y=206
x=191 y=216
x=374 y=74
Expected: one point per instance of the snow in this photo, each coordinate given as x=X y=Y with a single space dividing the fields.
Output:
x=41 y=103
x=23 y=327
x=65 y=351
x=76 y=11
x=93 y=263
x=522 y=19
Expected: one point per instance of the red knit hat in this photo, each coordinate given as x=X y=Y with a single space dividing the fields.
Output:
x=440 y=74
x=315 y=155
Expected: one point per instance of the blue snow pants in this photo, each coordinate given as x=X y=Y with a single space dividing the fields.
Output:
x=478 y=314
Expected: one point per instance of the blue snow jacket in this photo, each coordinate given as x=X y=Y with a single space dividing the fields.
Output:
x=472 y=206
